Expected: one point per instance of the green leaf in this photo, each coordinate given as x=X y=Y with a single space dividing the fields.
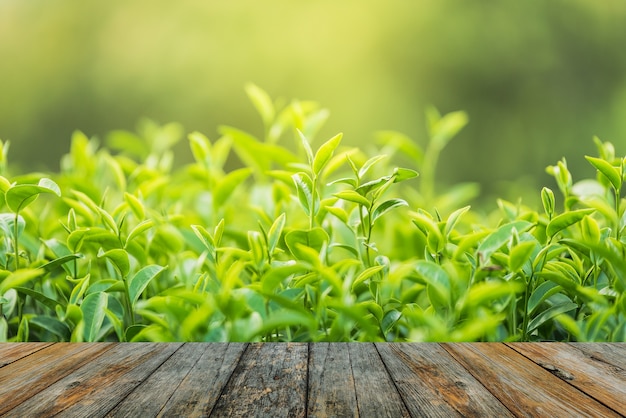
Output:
x=108 y=221
x=19 y=278
x=262 y=102
x=499 y=237
x=386 y=206
x=613 y=174
x=314 y=238
x=21 y=195
x=352 y=196
x=93 y=309
x=369 y=164
x=551 y=313
x=119 y=258
x=520 y=254
x=438 y=283
x=50 y=266
x=325 y=153
x=139 y=229
x=443 y=129
x=484 y=293
x=430 y=229
x=547 y=198
x=402 y=174
x=200 y=148
x=50 y=324
x=304 y=187
x=138 y=283
x=365 y=274
x=40 y=297
x=227 y=185
x=453 y=219
x=276 y=230
x=541 y=293
x=307 y=147
x=135 y=206
x=565 y=220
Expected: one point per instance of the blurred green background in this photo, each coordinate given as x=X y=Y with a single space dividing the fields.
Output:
x=538 y=79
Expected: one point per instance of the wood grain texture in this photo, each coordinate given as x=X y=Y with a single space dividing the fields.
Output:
x=160 y=385
x=315 y=379
x=22 y=380
x=270 y=380
x=433 y=384
x=198 y=392
x=525 y=388
x=100 y=384
x=331 y=387
x=599 y=379
x=377 y=395
x=12 y=352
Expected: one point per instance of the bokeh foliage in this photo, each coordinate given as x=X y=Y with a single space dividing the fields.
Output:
x=537 y=78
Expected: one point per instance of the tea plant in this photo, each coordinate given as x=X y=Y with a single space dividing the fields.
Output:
x=305 y=241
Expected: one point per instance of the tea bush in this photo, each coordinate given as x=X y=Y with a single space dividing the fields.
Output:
x=305 y=242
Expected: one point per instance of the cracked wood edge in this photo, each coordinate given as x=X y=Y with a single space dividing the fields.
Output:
x=599 y=379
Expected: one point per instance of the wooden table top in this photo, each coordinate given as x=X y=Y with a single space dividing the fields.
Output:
x=317 y=380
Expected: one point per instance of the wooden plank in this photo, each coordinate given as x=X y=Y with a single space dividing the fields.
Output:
x=95 y=388
x=600 y=380
x=23 y=379
x=433 y=384
x=10 y=352
x=198 y=392
x=610 y=353
x=331 y=387
x=376 y=392
x=525 y=388
x=150 y=397
x=270 y=380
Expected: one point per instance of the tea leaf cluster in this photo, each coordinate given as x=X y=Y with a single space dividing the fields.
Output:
x=307 y=241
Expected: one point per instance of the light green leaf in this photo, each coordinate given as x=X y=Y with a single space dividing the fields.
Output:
x=386 y=206
x=227 y=185
x=276 y=230
x=365 y=274
x=352 y=196
x=520 y=254
x=325 y=153
x=453 y=219
x=314 y=238
x=402 y=174
x=262 y=102
x=304 y=187
x=438 y=282
x=119 y=258
x=612 y=173
x=200 y=148
x=19 y=278
x=565 y=220
x=499 y=237
x=21 y=195
x=135 y=205
x=139 y=229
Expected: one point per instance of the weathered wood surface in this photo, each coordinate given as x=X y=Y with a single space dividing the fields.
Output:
x=316 y=380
